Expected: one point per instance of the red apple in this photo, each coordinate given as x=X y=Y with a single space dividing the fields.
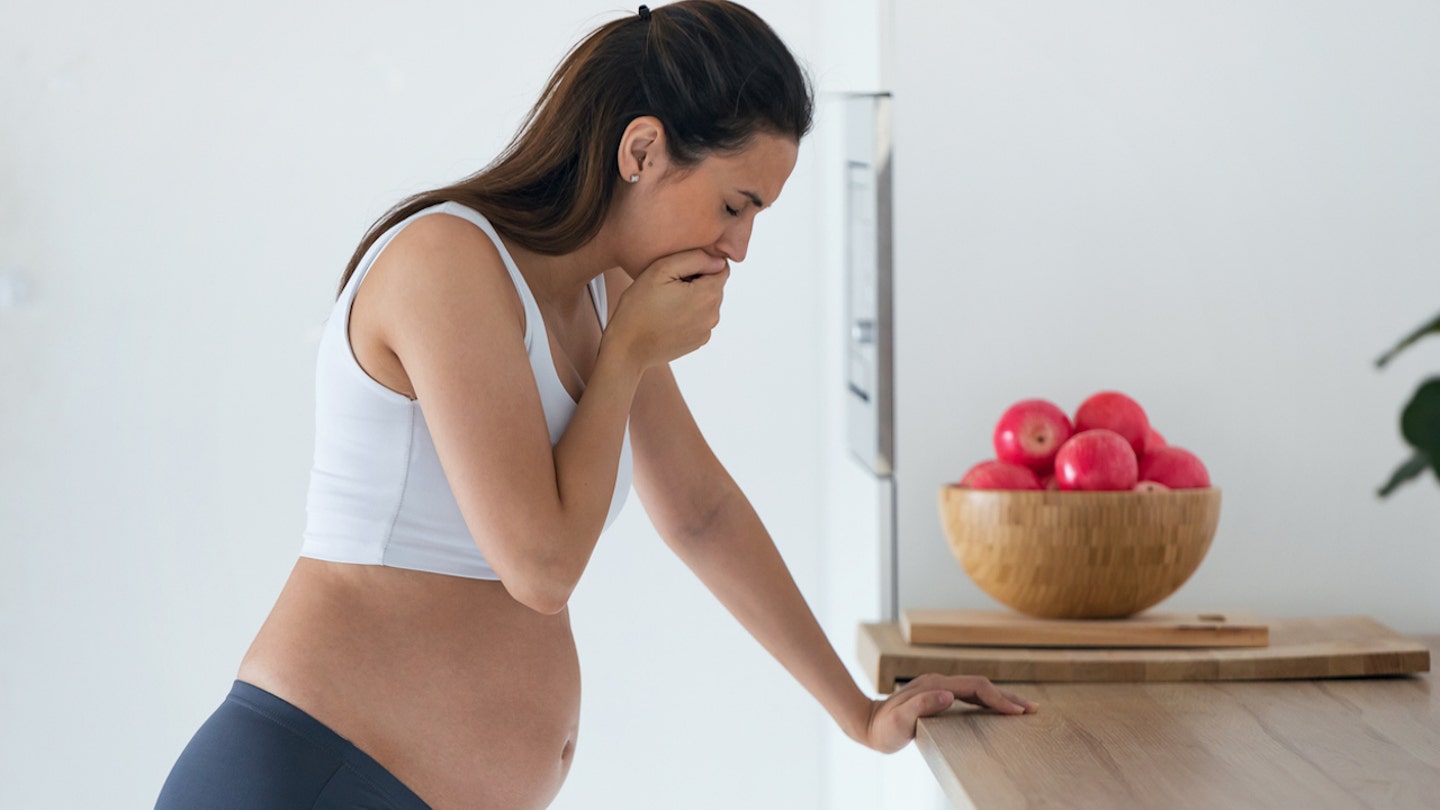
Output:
x=1175 y=467
x=1048 y=482
x=1030 y=432
x=1151 y=486
x=1096 y=460
x=1000 y=475
x=1153 y=441
x=1112 y=410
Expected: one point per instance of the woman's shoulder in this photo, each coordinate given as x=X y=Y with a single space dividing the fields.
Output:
x=445 y=225
x=442 y=261
x=456 y=209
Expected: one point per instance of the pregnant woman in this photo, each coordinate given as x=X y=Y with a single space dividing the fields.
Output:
x=492 y=374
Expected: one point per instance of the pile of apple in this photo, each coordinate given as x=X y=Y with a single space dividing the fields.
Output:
x=1110 y=446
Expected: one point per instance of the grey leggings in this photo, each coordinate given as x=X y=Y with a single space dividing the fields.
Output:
x=258 y=751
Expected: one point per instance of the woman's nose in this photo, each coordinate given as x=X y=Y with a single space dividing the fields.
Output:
x=735 y=242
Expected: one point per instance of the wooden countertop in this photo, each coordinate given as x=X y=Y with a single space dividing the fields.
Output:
x=1332 y=743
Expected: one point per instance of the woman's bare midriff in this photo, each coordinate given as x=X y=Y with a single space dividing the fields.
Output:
x=464 y=694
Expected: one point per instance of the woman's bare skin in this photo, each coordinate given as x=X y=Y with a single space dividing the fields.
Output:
x=467 y=696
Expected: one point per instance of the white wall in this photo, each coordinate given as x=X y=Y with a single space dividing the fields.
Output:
x=852 y=59
x=181 y=187
x=1227 y=210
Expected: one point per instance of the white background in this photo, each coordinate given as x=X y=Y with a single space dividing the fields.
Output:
x=1251 y=191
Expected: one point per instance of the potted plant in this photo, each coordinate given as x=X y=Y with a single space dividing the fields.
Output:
x=1419 y=420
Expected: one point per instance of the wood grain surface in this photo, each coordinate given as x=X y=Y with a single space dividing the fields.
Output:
x=1007 y=628
x=1327 y=647
x=1079 y=555
x=1340 y=743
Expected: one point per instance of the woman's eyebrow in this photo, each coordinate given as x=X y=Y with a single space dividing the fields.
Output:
x=753 y=198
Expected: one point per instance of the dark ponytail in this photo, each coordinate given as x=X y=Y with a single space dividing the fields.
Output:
x=711 y=71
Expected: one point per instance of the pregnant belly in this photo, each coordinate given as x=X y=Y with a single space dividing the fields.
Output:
x=465 y=695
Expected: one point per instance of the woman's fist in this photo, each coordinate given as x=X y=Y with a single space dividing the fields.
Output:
x=670 y=309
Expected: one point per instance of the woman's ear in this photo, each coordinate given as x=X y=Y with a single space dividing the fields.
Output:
x=642 y=149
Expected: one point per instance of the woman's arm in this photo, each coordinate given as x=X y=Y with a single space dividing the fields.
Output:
x=451 y=313
x=708 y=522
x=738 y=562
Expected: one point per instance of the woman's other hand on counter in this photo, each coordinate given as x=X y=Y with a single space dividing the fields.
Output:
x=892 y=721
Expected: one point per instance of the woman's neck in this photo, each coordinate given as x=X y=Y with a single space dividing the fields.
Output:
x=558 y=282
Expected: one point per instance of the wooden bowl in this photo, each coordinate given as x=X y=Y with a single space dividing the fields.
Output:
x=1079 y=555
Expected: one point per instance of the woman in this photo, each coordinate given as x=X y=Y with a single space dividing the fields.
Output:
x=496 y=347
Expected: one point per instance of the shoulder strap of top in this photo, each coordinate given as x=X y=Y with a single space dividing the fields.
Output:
x=597 y=294
x=532 y=310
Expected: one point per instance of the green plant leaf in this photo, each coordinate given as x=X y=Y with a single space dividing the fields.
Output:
x=1416 y=465
x=1420 y=421
x=1432 y=326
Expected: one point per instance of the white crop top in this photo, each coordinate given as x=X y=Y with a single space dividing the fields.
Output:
x=378 y=495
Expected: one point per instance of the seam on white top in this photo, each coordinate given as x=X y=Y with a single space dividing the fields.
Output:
x=404 y=487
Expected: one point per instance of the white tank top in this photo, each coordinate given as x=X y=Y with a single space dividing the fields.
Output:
x=378 y=495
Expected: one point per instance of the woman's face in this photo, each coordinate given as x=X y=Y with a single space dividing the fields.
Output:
x=711 y=206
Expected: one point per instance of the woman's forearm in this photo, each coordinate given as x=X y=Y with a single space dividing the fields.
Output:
x=737 y=560
x=587 y=462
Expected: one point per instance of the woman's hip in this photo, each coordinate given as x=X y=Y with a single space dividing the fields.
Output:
x=259 y=751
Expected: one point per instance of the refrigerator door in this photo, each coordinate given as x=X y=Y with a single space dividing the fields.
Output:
x=868 y=351
x=869 y=366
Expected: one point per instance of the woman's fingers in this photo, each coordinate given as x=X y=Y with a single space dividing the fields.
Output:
x=996 y=699
x=892 y=722
x=980 y=691
x=991 y=695
x=938 y=691
x=1030 y=705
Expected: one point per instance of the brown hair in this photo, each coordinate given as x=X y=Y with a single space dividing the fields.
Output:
x=711 y=71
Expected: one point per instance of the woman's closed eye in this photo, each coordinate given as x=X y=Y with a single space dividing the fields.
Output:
x=731 y=211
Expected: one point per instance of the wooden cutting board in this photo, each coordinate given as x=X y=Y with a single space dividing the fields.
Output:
x=1005 y=628
x=1329 y=647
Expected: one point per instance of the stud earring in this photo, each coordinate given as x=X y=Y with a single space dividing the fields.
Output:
x=634 y=178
